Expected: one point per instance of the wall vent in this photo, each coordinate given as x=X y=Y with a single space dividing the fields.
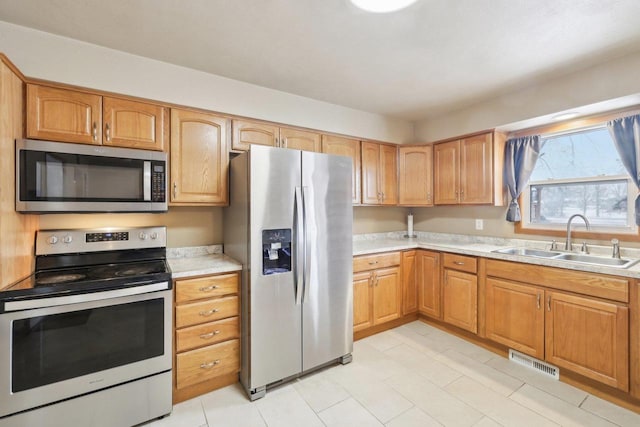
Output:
x=535 y=364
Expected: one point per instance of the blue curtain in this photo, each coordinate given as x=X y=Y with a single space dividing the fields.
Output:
x=520 y=156
x=626 y=137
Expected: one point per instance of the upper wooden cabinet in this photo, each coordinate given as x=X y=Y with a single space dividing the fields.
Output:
x=246 y=133
x=71 y=116
x=469 y=170
x=350 y=148
x=199 y=158
x=134 y=124
x=379 y=174
x=63 y=115
x=415 y=178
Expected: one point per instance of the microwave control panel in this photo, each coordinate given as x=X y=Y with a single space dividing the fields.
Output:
x=158 y=182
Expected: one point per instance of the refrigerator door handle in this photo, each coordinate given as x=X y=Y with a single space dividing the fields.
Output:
x=299 y=215
x=307 y=245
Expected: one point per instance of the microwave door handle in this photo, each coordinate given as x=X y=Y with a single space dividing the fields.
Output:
x=146 y=181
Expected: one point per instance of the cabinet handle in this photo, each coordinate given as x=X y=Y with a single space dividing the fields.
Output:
x=107 y=132
x=175 y=189
x=209 y=312
x=373 y=262
x=549 y=303
x=283 y=142
x=94 y=131
x=208 y=288
x=428 y=197
x=458 y=262
x=461 y=194
x=210 y=364
x=457 y=196
x=277 y=142
x=209 y=335
x=538 y=301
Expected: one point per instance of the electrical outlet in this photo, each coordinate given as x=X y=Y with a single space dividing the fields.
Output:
x=479 y=224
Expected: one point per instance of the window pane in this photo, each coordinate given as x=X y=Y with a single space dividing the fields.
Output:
x=604 y=203
x=585 y=154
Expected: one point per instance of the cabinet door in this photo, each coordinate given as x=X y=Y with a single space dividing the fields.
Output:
x=362 y=301
x=246 y=133
x=199 y=158
x=415 y=178
x=409 y=283
x=476 y=173
x=300 y=140
x=589 y=337
x=460 y=295
x=387 y=295
x=370 y=171
x=389 y=174
x=515 y=316
x=134 y=124
x=428 y=272
x=63 y=115
x=446 y=173
x=350 y=148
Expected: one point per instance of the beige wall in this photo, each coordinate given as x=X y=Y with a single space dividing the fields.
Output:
x=61 y=59
x=378 y=219
x=187 y=226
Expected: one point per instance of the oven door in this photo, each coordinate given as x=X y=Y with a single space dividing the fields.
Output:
x=63 y=177
x=50 y=354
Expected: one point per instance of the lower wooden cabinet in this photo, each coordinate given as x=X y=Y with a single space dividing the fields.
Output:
x=582 y=334
x=428 y=278
x=460 y=292
x=207 y=334
x=409 y=283
x=377 y=290
x=588 y=336
x=515 y=316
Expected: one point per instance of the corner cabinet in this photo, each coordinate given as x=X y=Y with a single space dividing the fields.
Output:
x=72 y=116
x=350 y=148
x=428 y=277
x=415 y=177
x=469 y=170
x=207 y=334
x=379 y=174
x=247 y=133
x=377 y=290
x=199 y=159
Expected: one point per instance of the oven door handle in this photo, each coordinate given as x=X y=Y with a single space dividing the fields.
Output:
x=87 y=297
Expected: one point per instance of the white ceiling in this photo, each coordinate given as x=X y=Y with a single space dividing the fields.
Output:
x=435 y=56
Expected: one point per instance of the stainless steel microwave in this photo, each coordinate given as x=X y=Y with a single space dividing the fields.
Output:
x=64 y=177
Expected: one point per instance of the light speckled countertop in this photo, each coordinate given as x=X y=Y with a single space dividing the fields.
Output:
x=483 y=247
x=199 y=261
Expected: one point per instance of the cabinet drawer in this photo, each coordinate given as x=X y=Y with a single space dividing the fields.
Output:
x=206 y=334
x=206 y=287
x=372 y=262
x=461 y=263
x=206 y=311
x=205 y=363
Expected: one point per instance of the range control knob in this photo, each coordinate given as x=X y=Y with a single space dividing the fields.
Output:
x=52 y=240
x=67 y=239
x=154 y=236
x=143 y=235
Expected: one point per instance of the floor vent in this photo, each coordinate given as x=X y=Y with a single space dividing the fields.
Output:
x=539 y=366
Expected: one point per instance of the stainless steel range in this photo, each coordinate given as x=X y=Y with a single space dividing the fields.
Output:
x=86 y=340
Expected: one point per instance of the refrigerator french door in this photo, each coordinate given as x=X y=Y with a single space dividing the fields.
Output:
x=290 y=224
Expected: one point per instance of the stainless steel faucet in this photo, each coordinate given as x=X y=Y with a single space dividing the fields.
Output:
x=568 y=245
x=616 y=248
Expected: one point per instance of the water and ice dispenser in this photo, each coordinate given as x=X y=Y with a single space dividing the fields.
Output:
x=276 y=251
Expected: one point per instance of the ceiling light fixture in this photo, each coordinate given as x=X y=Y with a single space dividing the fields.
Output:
x=565 y=116
x=382 y=6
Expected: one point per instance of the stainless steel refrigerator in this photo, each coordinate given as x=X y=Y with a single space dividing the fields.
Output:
x=290 y=224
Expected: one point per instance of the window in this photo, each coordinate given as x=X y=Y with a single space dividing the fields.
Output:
x=580 y=172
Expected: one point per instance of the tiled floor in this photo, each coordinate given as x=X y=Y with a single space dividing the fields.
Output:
x=414 y=375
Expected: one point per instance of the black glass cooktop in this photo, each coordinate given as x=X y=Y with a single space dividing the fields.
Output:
x=77 y=274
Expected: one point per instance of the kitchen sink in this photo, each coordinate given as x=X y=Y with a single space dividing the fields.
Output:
x=574 y=257
x=528 y=252
x=593 y=260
